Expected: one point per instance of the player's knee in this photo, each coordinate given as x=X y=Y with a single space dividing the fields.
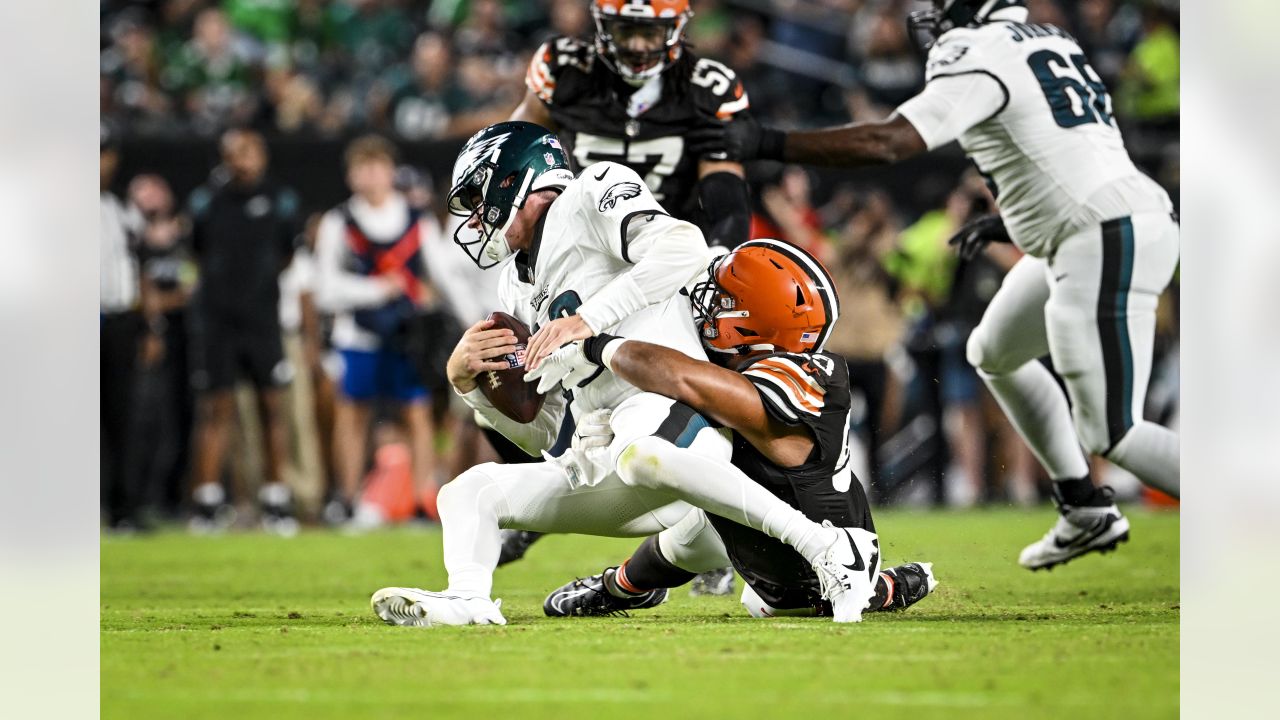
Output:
x=641 y=463
x=981 y=355
x=464 y=493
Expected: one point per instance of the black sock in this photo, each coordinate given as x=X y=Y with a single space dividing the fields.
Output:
x=1077 y=492
x=883 y=594
x=646 y=569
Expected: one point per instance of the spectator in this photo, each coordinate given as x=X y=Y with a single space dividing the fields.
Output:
x=890 y=71
x=120 y=330
x=372 y=275
x=870 y=325
x=243 y=232
x=785 y=213
x=165 y=400
x=1149 y=89
x=131 y=71
x=423 y=105
x=213 y=79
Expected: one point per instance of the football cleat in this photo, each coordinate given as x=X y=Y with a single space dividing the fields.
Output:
x=910 y=583
x=847 y=572
x=588 y=597
x=713 y=582
x=1079 y=530
x=411 y=607
x=515 y=543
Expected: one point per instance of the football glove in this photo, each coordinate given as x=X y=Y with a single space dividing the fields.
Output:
x=974 y=237
x=746 y=139
x=567 y=367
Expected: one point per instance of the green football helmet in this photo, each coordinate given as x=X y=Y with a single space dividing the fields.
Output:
x=495 y=171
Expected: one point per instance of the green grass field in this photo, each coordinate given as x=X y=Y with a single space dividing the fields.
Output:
x=248 y=626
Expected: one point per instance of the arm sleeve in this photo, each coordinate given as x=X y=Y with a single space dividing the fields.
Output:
x=665 y=253
x=540 y=79
x=727 y=202
x=338 y=290
x=532 y=437
x=951 y=104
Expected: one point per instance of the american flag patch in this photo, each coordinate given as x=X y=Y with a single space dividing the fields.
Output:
x=809 y=336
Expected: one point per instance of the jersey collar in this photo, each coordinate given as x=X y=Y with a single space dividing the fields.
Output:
x=526 y=261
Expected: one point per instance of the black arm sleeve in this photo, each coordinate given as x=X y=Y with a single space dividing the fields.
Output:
x=727 y=204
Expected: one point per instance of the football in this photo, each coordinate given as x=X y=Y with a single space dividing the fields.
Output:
x=506 y=389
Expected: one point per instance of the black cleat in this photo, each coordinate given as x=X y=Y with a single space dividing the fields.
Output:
x=515 y=543
x=713 y=582
x=911 y=583
x=587 y=597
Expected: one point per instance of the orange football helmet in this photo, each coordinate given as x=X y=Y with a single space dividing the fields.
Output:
x=766 y=295
x=638 y=39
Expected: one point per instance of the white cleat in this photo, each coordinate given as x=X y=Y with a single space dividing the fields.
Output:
x=411 y=607
x=847 y=572
x=1079 y=530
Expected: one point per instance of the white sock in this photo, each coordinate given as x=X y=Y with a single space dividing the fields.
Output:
x=1038 y=410
x=1150 y=451
x=469 y=508
x=209 y=494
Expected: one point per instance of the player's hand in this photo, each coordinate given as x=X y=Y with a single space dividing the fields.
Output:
x=974 y=237
x=568 y=367
x=707 y=141
x=746 y=139
x=475 y=354
x=593 y=431
x=551 y=336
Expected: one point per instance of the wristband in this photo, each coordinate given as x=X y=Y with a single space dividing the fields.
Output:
x=599 y=349
x=772 y=144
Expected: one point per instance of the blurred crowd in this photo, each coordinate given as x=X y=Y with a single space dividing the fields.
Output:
x=200 y=421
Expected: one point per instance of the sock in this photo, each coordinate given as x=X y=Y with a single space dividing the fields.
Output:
x=722 y=489
x=647 y=569
x=472 y=540
x=1078 y=492
x=1038 y=410
x=209 y=494
x=274 y=494
x=1150 y=451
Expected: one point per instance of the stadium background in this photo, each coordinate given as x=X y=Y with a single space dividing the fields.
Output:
x=312 y=75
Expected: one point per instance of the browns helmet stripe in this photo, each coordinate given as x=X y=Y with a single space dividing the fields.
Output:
x=821 y=279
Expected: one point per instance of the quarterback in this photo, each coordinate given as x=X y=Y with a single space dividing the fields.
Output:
x=1100 y=239
x=592 y=254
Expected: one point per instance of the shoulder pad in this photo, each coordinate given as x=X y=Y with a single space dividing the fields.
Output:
x=965 y=50
x=793 y=383
x=550 y=61
x=720 y=91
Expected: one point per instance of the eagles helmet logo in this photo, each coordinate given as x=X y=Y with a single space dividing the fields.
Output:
x=618 y=193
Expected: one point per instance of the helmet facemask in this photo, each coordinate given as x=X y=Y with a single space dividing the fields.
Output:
x=638 y=49
x=490 y=207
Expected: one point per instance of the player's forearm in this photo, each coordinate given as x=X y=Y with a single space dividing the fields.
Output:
x=664 y=264
x=878 y=143
x=722 y=395
x=532 y=437
x=727 y=201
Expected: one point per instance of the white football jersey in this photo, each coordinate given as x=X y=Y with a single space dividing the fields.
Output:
x=608 y=251
x=1042 y=133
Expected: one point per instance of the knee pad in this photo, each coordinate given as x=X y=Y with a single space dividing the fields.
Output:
x=693 y=544
x=640 y=465
x=463 y=492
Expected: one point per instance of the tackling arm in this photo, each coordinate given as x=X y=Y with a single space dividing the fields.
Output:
x=877 y=143
x=722 y=191
x=725 y=396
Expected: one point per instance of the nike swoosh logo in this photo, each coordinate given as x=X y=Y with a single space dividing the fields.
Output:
x=566 y=596
x=602 y=174
x=1099 y=527
x=858 y=565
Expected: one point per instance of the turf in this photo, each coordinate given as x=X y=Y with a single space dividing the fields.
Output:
x=248 y=626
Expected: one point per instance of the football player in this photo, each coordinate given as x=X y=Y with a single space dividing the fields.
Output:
x=765 y=310
x=1100 y=239
x=592 y=254
x=637 y=96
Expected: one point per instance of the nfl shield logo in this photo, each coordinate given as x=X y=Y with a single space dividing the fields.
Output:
x=551 y=159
